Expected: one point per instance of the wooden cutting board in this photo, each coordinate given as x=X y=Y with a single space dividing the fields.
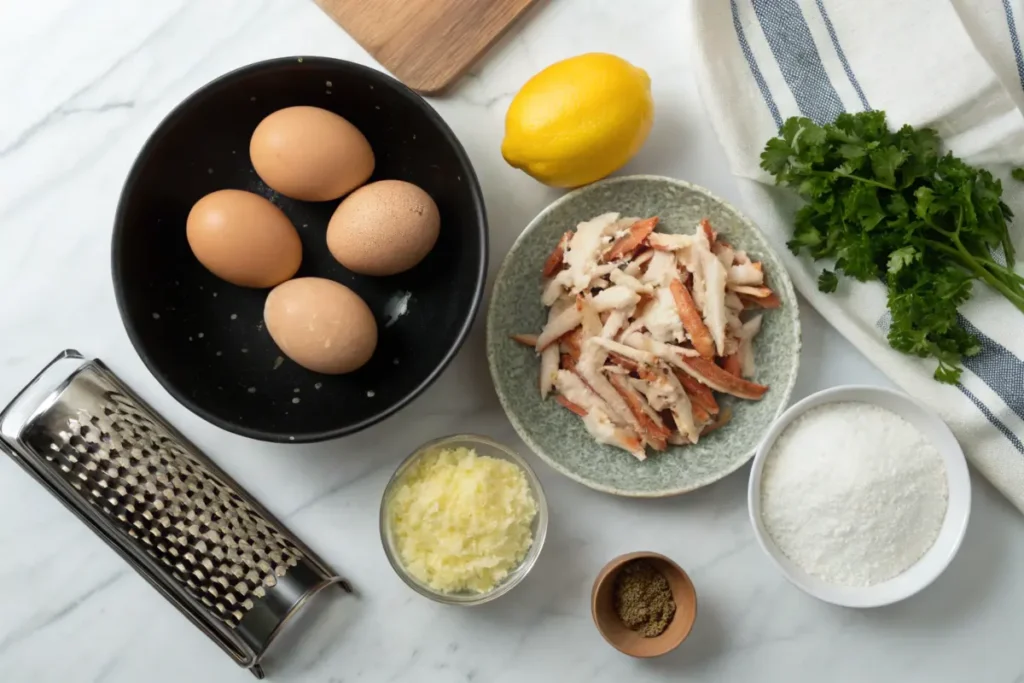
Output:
x=426 y=44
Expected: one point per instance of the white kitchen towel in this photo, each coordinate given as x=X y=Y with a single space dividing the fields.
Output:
x=956 y=66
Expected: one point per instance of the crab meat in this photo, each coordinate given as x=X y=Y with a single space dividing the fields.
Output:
x=590 y=320
x=756 y=292
x=661 y=318
x=770 y=301
x=636 y=266
x=634 y=237
x=621 y=279
x=745 y=274
x=718 y=379
x=583 y=252
x=724 y=253
x=571 y=343
x=554 y=262
x=667 y=242
x=699 y=415
x=691 y=321
x=661 y=270
x=709 y=233
x=624 y=306
x=746 y=348
x=562 y=323
x=552 y=291
x=525 y=339
x=700 y=395
x=617 y=297
x=714 y=300
x=570 y=385
x=632 y=353
x=549 y=362
x=669 y=353
x=614 y=323
x=694 y=260
x=566 y=403
x=652 y=429
x=604 y=430
x=589 y=368
x=681 y=408
x=723 y=419
x=627 y=364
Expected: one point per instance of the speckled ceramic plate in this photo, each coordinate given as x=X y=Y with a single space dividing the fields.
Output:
x=558 y=436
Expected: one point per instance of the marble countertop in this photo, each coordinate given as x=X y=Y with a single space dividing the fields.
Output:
x=84 y=83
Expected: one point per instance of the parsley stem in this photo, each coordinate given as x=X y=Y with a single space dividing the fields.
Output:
x=851 y=176
x=968 y=261
x=1005 y=273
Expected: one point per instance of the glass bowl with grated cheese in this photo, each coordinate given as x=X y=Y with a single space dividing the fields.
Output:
x=463 y=520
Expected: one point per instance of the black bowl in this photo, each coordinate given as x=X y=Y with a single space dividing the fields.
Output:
x=204 y=339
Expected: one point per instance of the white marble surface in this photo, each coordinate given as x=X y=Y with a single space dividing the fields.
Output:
x=83 y=83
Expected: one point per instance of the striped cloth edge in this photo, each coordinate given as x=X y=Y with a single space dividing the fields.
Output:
x=768 y=54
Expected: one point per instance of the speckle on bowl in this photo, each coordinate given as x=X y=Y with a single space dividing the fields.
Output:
x=558 y=436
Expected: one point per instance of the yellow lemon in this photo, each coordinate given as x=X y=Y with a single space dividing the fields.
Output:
x=579 y=120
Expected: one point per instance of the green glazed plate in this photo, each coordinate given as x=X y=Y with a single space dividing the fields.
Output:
x=558 y=436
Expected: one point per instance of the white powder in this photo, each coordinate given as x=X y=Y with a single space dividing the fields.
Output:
x=853 y=494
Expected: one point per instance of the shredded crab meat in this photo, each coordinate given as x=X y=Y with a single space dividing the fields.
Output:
x=667 y=242
x=584 y=252
x=549 y=359
x=635 y=354
x=591 y=361
x=566 y=321
x=661 y=270
x=615 y=298
x=746 y=345
x=636 y=266
x=614 y=323
x=645 y=326
x=714 y=300
x=661 y=319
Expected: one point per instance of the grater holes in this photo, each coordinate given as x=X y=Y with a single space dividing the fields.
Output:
x=220 y=550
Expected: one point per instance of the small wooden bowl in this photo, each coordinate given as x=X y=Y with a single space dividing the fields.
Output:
x=602 y=606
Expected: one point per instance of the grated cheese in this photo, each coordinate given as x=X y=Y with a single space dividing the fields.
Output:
x=461 y=521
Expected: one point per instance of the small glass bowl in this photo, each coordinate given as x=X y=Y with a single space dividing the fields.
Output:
x=483 y=446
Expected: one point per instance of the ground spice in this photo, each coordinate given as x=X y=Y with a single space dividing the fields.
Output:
x=643 y=599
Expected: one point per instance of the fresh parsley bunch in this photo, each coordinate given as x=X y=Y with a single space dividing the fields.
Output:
x=890 y=206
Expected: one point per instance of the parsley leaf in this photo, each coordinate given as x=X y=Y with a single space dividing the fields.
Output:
x=827 y=281
x=902 y=257
x=890 y=206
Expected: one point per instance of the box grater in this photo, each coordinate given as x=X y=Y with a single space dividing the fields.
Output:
x=222 y=559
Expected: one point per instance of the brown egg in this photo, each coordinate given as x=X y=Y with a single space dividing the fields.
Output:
x=243 y=238
x=310 y=154
x=320 y=324
x=383 y=228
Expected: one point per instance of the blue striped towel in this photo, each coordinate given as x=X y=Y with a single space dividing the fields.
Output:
x=954 y=65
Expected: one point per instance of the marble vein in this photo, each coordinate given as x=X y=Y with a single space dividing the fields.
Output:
x=46 y=620
x=65 y=108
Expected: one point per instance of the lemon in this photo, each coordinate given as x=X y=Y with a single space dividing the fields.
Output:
x=579 y=120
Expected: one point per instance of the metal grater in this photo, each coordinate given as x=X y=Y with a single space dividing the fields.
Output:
x=222 y=559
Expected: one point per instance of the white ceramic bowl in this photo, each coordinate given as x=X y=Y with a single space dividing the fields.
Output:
x=938 y=557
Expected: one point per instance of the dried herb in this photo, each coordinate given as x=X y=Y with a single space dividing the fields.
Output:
x=643 y=599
